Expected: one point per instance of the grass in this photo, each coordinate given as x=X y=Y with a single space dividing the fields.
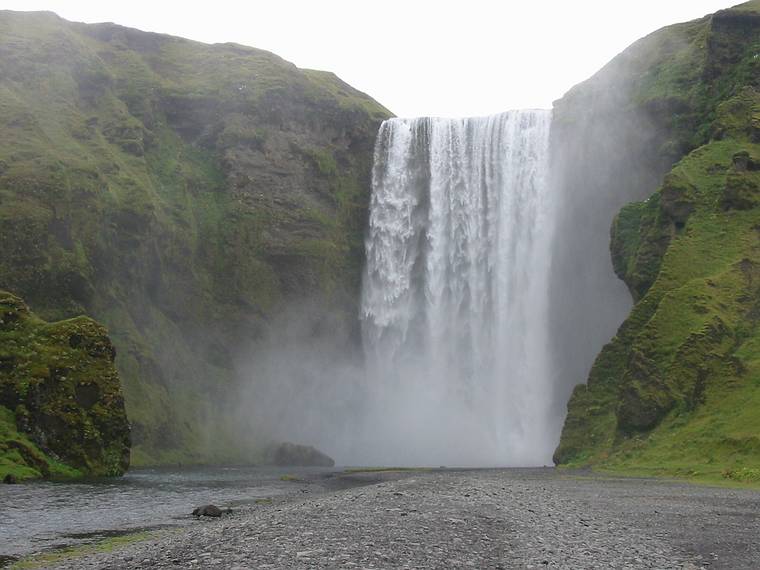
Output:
x=688 y=476
x=290 y=478
x=345 y=94
x=15 y=448
x=694 y=475
x=73 y=553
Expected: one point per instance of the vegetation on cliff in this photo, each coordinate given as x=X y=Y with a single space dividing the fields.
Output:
x=180 y=193
x=61 y=405
x=677 y=390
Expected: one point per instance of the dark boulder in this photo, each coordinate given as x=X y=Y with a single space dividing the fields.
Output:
x=294 y=455
x=677 y=199
x=210 y=511
x=741 y=192
x=70 y=410
x=743 y=162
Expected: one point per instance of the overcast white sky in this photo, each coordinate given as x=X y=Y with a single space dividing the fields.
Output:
x=417 y=57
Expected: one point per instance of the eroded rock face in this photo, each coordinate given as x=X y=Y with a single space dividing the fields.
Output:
x=294 y=455
x=742 y=190
x=59 y=384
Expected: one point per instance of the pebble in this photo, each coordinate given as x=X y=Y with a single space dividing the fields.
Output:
x=471 y=519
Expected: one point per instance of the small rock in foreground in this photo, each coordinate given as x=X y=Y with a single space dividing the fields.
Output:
x=210 y=511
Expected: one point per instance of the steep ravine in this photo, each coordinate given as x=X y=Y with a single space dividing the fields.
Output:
x=677 y=390
x=182 y=194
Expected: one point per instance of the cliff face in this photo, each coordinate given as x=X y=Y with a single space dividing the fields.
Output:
x=182 y=194
x=678 y=387
x=61 y=404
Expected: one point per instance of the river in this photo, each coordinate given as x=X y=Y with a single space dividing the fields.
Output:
x=43 y=515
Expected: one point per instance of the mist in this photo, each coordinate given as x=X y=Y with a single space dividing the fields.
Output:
x=488 y=289
x=301 y=382
x=451 y=367
x=603 y=156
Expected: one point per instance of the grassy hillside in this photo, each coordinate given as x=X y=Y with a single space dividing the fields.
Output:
x=182 y=194
x=677 y=390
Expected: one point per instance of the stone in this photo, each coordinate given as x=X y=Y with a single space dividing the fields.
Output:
x=294 y=455
x=71 y=412
x=210 y=511
x=743 y=162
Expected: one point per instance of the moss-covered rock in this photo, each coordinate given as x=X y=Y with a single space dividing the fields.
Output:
x=677 y=390
x=741 y=191
x=61 y=404
x=641 y=233
x=182 y=194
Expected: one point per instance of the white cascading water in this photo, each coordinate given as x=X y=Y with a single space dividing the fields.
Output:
x=454 y=300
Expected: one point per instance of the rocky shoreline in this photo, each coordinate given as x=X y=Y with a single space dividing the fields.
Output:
x=506 y=518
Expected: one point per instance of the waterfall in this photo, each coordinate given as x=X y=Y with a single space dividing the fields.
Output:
x=454 y=299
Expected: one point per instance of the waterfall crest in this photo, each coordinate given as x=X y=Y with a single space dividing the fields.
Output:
x=455 y=292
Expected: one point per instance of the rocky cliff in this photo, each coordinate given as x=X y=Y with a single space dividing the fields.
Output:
x=677 y=390
x=61 y=404
x=182 y=194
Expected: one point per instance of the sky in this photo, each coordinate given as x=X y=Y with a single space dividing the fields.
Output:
x=416 y=57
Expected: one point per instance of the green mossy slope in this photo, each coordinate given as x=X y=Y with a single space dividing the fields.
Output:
x=61 y=405
x=677 y=390
x=180 y=193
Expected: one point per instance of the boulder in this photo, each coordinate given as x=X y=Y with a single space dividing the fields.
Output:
x=743 y=162
x=61 y=400
x=677 y=199
x=741 y=192
x=210 y=511
x=294 y=455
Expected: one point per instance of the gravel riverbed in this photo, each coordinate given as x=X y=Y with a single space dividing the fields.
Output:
x=505 y=518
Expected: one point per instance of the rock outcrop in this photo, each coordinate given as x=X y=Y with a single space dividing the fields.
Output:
x=294 y=455
x=61 y=404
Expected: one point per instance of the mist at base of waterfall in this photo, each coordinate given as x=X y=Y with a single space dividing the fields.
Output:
x=311 y=391
x=454 y=304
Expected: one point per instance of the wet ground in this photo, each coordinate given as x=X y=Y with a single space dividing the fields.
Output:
x=39 y=516
x=507 y=518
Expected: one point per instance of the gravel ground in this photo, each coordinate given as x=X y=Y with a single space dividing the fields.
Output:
x=478 y=519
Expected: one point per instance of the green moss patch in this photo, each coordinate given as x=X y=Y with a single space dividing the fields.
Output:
x=73 y=553
x=61 y=406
